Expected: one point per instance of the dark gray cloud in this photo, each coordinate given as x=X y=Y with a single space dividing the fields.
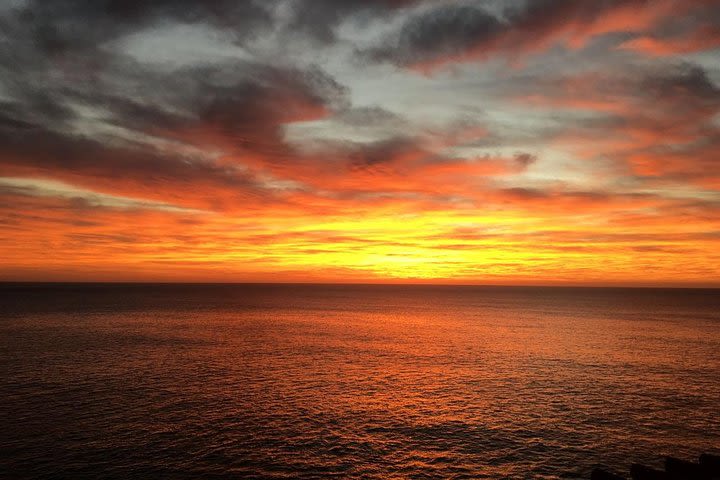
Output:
x=686 y=83
x=370 y=116
x=77 y=27
x=319 y=18
x=57 y=67
x=453 y=32
x=446 y=30
x=239 y=107
x=121 y=170
x=59 y=62
x=524 y=160
x=384 y=152
x=54 y=46
x=72 y=26
x=242 y=98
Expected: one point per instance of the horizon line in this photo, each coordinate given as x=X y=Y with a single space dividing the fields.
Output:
x=688 y=286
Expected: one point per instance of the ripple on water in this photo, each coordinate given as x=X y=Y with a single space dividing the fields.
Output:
x=421 y=382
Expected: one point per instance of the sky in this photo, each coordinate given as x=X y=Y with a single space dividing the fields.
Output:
x=450 y=141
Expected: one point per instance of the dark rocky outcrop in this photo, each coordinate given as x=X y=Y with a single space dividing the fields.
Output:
x=707 y=468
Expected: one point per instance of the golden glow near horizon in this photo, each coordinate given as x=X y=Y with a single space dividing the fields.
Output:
x=576 y=145
x=508 y=245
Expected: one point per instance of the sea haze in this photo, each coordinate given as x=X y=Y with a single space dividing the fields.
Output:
x=307 y=381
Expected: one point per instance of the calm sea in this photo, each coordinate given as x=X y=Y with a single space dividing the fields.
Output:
x=261 y=381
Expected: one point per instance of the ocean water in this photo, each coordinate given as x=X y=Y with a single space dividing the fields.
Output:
x=262 y=381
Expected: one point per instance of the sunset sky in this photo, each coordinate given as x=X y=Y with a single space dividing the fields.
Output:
x=487 y=141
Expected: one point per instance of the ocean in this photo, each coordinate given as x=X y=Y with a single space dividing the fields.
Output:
x=353 y=381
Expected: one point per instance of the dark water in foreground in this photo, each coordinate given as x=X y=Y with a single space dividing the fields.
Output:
x=353 y=381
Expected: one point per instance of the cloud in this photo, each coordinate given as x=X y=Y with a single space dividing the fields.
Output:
x=705 y=37
x=658 y=123
x=319 y=19
x=459 y=32
x=122 y=170
x=79 y=197
x=76 y=26
x=157 y=134
x=440 y=33
x=269 y=152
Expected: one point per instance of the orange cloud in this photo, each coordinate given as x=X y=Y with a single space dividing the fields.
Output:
x=706 y=37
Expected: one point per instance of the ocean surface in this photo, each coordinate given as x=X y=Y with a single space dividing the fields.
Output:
x=292 y=381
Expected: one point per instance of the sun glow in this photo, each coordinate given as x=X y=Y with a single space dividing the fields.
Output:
x=399 y=141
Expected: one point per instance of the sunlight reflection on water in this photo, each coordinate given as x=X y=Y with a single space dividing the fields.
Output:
x=359 y=381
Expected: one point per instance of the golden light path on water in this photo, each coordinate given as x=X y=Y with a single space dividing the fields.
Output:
x=292 y=381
